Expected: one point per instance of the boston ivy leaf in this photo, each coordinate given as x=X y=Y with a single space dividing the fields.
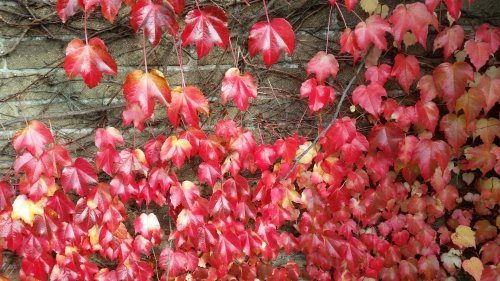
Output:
x=387 y=137
x=479 y=157
x=348 y=44
x=406 y=70
x=178 y=5
x=414 y=17
x=149 y=227
x=238 y=87
x=187 y=102
x=372 y=31
x=478 y=52
x=205 y=28
x=271 y=38
x=455 y=130
x=32 y=138
x=378 y=74
x=142 y=87
x=209 y=172
x=464 y=237
x=66 y=8
x=489 y=34
x=110 y=8
x=427 y=114
x=176 y=150
x=471 y=103
x=369 y=97
x=487 y=129
x=108 y=136
x=78 y=176
x=429 y=155
x=89 y=60
x=323 y=65
x=474 y=267
x=490 y=88
x=451 y=80
x=450 y=38
x=153 y=16
x=319 y=95
x=454 y=7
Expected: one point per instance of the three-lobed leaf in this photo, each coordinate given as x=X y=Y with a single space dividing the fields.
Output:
x=271 y=38
x=90 y=60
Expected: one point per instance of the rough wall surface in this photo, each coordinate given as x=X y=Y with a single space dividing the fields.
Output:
x=33 y=84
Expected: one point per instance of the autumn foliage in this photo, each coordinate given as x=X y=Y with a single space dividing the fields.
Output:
x=414 y=197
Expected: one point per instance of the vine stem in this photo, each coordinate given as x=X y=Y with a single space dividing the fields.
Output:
x=265 y=10
x=328 y=28
x=144 y=51
x=335 y=115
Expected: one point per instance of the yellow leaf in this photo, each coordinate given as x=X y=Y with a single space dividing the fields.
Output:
x=474 y=267
x=25 y=209
x=369 y=6
x=464 y=237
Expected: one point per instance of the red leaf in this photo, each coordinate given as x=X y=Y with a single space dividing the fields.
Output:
x=66 y=8
x=490 y=88
x=319 y=95
x=108 y=137
x=149 y=227
x=471 y=103
x=323 y=65
x=6 y=194
x=454 y=7
x=414 y=17
x=348 y=44
x=177 y=261
x=455 y=130
x=387 y=137
x=90 y=61
x=244 y=143
x=228 y=247
x=479 y=52
x=369 y=97
x=450 y=39
x=378 y=74
x=406 y=70
x=264 y=156
x=451 y=80
x=206 y=28
x=271 y=38
x=480 y=157
x=429 y=155
x=142 y=87
x=187 y=102
x=350 y=4
x=176 y=150
x=209 y=172
x=372 y=31
x=78 y=176
x=153 y=17
x=428 y=89
x=178 y=5
x=489 y=34
x=106 y=158
x=427 y=114
x=185 y=194
x=238 y=87
x=133 y=113
x=342 y=131
x=110 y=8
x=32 y=138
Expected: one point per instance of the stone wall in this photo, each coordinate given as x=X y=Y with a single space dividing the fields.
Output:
x=33 y=84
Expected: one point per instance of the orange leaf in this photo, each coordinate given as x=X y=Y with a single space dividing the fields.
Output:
x=187 y=102
x=464 y=237
x=474 y=267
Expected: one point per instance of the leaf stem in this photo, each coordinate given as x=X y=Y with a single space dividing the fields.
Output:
x=197 y=5
x=144 y=51
x=328 y=28
x=265 y=10
x=341 y=15
x=85 y=15
x=232 y=53
x=179 y=58
x=335 y=115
